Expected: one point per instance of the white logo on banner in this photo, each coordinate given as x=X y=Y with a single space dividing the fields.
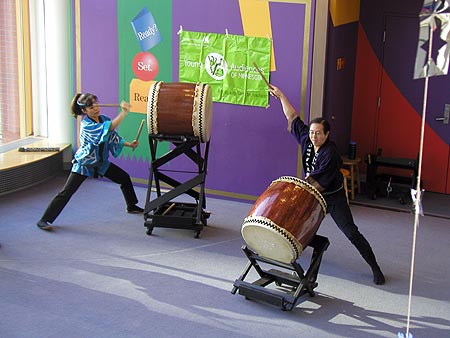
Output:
x=216 y=66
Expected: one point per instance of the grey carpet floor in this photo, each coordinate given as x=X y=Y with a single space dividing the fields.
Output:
x=99 y=275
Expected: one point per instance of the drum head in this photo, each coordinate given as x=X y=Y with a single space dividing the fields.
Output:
x=202 y=112
x=270 y=240
x=152 y=108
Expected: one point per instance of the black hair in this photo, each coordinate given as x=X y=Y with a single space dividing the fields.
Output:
x=323 y=122
x=81 y=101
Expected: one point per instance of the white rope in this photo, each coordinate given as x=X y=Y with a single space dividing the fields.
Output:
x=418 y=200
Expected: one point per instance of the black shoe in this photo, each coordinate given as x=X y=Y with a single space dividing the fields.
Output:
x=134 y=209
x=378 y=277
x=44 y=225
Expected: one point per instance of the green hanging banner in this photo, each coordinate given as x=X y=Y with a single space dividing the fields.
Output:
x=228 y=64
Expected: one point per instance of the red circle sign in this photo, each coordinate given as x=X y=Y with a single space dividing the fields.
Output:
x=145 y=66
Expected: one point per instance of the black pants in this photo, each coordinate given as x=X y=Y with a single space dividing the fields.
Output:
x=114 y=173
x=340 y=211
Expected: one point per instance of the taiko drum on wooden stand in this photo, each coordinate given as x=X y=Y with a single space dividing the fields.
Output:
x=284 y=219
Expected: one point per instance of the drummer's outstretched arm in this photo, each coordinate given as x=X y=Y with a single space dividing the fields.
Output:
x=119 y=118
x=288 y=109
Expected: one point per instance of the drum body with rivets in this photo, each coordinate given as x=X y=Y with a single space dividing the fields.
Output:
x=180 y=108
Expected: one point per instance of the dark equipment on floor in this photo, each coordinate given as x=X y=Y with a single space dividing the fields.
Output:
x=391 y=186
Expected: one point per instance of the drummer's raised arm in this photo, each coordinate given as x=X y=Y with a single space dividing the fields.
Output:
x=288 y=109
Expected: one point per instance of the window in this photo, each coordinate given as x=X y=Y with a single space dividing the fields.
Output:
x=15 y=78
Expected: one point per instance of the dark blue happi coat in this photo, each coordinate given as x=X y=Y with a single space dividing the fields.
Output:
x=323 y=166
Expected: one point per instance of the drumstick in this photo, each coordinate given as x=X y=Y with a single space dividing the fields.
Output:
x=139 y=130
x=108 y=104
x=262 y=75
x=168 y=209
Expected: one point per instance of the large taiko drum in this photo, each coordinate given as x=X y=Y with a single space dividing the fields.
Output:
x=179 y=108
x=284 y=219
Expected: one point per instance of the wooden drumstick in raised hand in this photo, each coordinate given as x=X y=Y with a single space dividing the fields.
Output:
x=262 y=75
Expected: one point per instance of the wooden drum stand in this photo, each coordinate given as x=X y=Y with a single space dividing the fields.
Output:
x=283 y=223
x=290 y=284
x=184 y=111
x=161 y=211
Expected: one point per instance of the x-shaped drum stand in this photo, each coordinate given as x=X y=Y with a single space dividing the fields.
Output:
x=291 y=286
x=161 y=211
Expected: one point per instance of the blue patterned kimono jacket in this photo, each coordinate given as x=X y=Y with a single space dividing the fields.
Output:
x=96 y=142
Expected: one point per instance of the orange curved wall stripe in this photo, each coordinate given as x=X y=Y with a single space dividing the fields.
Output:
x=365 y=97
x=406 y=126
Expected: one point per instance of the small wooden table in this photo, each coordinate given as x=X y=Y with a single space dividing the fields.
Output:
x=353 y=166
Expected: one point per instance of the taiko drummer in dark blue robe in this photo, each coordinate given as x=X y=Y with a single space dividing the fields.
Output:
x=322 y=164
x=98 y=139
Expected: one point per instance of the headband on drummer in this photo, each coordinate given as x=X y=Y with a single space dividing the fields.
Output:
x=87 y=100
x=82 y=101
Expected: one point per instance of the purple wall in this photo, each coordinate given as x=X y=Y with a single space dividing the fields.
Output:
x=249 y=146
x=99 y=54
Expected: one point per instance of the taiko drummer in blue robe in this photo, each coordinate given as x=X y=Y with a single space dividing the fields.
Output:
x=322 y=164
x=98 y=139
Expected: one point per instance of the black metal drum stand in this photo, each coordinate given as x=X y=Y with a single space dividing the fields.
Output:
x=162 y=211
x=291 y=284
